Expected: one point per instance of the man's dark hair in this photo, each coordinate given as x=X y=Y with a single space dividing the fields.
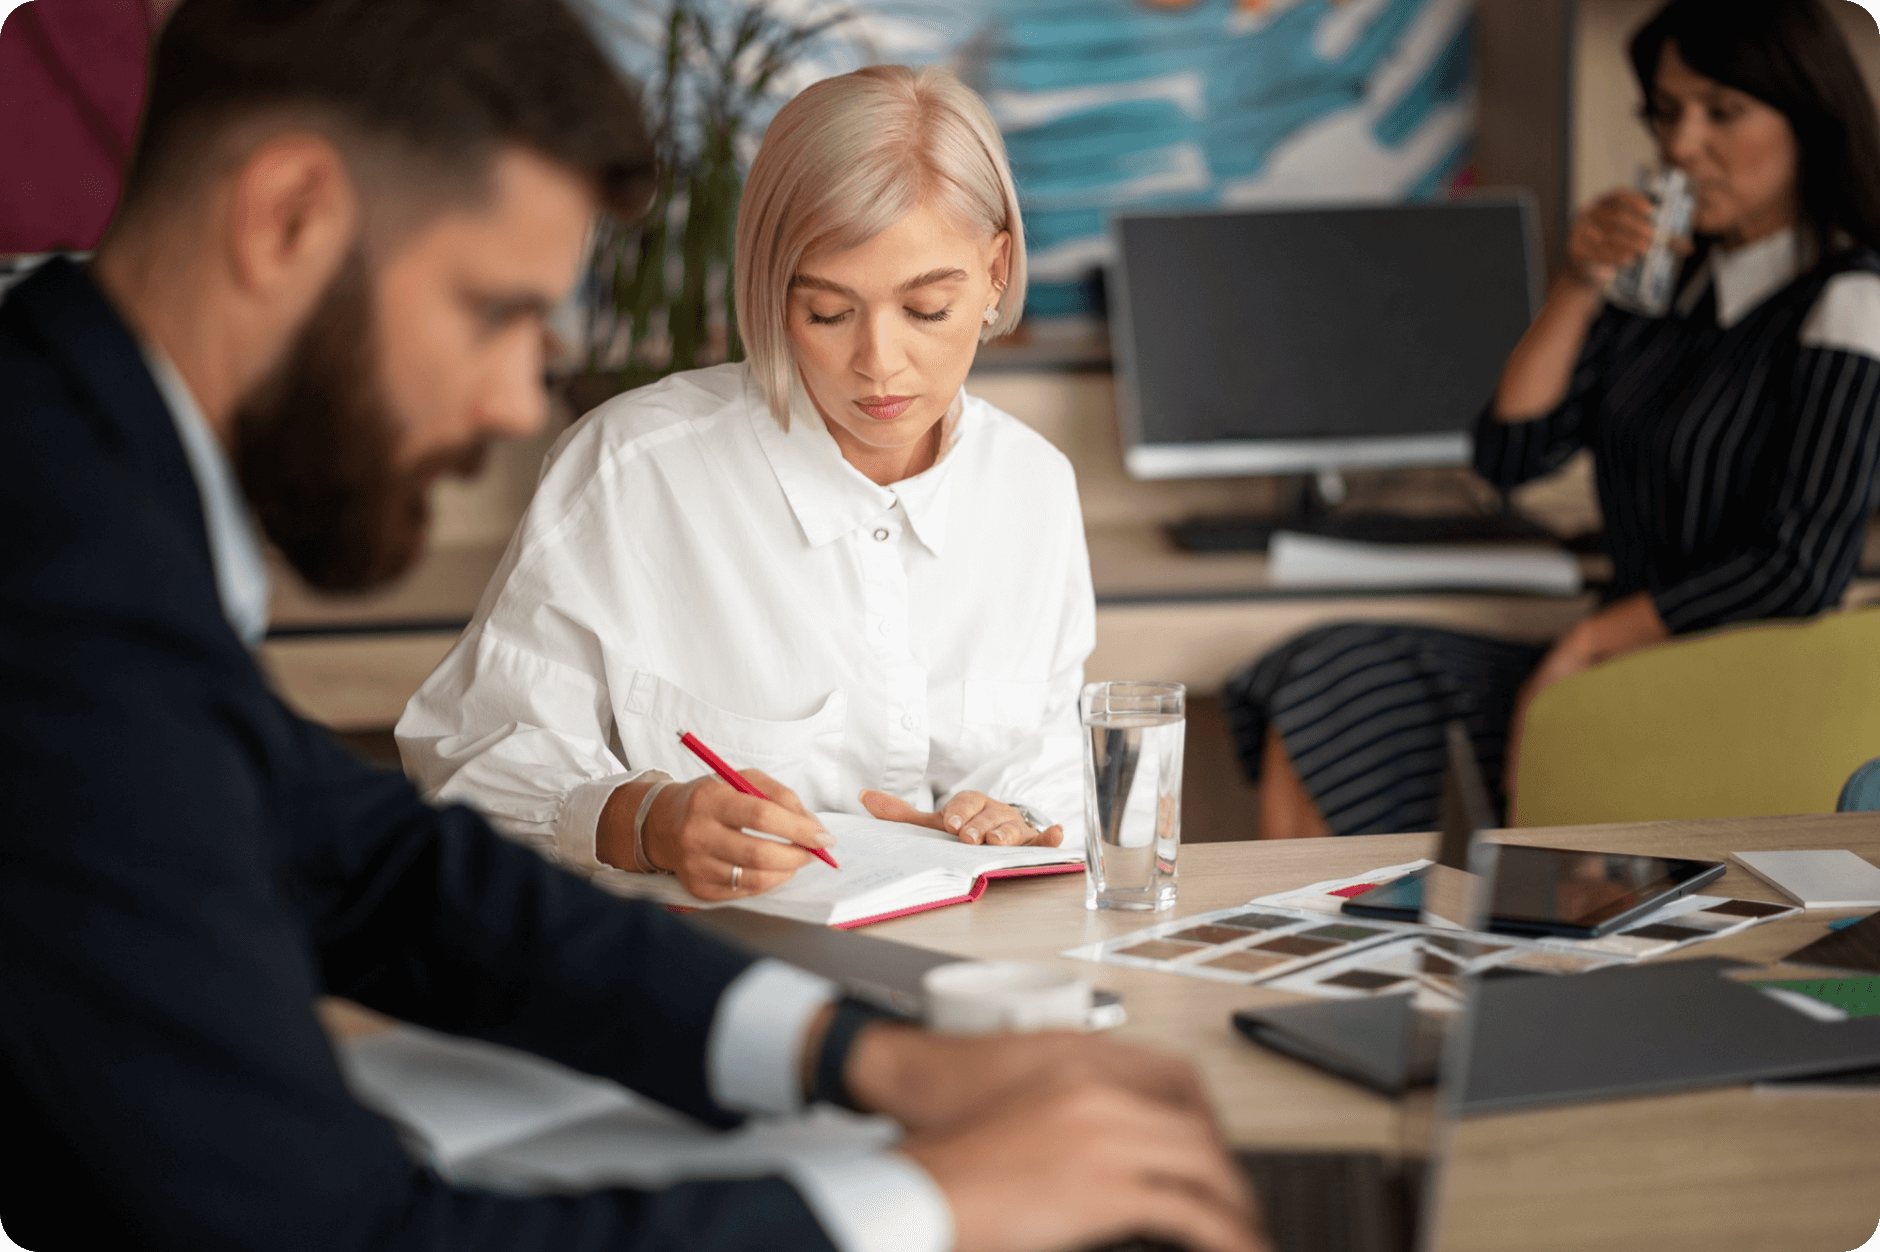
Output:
x=439 y=85
x=1790 y=55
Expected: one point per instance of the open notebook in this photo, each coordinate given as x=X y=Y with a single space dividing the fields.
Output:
x=490 y=1116
x=889 y=869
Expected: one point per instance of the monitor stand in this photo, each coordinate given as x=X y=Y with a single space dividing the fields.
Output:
x=1312 y=511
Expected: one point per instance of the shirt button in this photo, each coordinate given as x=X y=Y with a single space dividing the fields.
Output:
x=909 y=722
x=884 y=626
x=881 y=534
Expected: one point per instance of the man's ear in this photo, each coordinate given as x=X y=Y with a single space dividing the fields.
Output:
x=293 y=211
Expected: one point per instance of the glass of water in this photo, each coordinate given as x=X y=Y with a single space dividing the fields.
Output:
x=1132 y=792
x=1649 y=283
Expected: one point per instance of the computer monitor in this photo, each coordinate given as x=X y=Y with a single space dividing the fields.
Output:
x=1307 y=340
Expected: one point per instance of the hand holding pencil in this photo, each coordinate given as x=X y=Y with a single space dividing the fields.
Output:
x=699 y=831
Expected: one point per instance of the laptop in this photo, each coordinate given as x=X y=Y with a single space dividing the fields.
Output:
x=1376 y=1201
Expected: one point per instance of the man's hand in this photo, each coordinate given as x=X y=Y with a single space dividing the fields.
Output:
x=1071 y=1164
x=926 y=1081
x=972 y=815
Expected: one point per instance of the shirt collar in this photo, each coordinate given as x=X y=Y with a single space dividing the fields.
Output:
x=1745 y=277
x=241 y=571
x=830 y=497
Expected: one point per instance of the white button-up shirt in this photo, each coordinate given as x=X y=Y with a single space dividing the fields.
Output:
x=689 y=565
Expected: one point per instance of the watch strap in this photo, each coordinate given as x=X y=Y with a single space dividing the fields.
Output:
x=851 y=1017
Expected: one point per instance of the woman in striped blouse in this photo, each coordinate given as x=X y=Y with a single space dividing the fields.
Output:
x=1735 y=439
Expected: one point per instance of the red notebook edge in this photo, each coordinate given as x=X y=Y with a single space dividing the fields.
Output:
x=978 y=889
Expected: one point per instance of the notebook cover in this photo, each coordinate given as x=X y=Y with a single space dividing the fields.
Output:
x=1367 y=1040
x=1644 y=1029
x=978 y=889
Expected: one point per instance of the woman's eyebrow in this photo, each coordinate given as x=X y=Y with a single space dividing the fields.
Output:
x=945 y=274
x=821 y=284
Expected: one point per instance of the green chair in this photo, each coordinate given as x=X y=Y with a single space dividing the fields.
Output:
x=1862 y=793
x=1752 y=721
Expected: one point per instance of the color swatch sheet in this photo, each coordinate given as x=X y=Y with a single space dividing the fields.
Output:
x=1300 y=941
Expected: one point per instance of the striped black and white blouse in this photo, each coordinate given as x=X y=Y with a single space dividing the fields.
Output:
x=1735 y=444
x=1735 y=441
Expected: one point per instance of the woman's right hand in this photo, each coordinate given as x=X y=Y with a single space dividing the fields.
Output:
x=696 y=830
x=1608 y=235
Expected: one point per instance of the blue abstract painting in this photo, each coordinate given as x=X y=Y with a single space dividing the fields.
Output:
x=1111 y=105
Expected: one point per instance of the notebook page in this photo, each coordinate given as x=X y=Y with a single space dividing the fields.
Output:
x=885 y=866
x=460 y=1097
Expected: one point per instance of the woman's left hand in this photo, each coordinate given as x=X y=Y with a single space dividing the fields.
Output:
x=1627 y=626
x=972 y=815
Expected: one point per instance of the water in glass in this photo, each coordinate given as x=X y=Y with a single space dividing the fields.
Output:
x=1132 y=793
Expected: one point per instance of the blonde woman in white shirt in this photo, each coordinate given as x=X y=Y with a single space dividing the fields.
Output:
x=850 y=578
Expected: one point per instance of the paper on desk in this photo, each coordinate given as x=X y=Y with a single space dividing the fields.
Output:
x=492 y=1116
x=1300 y=940
x=1296 y=560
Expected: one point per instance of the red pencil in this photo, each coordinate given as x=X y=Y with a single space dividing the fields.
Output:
x=736 y=779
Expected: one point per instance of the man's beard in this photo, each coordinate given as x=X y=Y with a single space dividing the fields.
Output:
x=316 y=449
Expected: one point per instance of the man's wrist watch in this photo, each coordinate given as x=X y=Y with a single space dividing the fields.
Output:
x=851 y=1018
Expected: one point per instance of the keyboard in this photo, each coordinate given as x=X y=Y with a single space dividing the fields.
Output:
x=1324 y=1202
x=1253 y=534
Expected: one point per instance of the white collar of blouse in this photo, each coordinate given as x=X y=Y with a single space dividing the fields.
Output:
x=831 y=498
x=1747 y=276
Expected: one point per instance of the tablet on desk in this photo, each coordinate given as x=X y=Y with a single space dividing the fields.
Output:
x=1557 y=891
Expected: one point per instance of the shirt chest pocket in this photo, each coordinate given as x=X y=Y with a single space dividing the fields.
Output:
x=804 y=754
x=998 y=717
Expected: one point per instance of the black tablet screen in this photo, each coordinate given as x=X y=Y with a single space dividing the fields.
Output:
x=1557 y=891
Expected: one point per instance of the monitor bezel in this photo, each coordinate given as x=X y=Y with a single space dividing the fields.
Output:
x=1233 y=458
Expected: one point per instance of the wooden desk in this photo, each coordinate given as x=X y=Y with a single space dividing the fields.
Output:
x=1716 y=1170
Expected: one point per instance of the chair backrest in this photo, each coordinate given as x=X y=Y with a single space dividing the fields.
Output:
x=1753 y=721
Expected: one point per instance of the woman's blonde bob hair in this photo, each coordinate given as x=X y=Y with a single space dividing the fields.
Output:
x=842 y=162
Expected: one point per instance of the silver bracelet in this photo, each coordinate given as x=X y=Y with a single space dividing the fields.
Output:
x=1033 y=818
x=640 y=860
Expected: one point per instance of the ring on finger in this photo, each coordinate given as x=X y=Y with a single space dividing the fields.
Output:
x=737 y=875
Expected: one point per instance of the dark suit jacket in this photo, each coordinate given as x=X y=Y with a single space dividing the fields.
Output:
x=185 y=865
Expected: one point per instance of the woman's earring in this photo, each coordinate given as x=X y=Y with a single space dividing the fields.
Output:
x=991 y=314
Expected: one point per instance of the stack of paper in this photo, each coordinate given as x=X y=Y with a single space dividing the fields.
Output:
x=1311 y=561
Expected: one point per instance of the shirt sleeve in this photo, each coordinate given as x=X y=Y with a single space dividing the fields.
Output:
x=881 y=1202
x=1807 y=543
x=1508 y=454
x=517 y=720
x=875 y=1202
x=1043 y=770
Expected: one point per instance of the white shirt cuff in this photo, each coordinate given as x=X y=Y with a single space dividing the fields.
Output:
x=579 y=819
x=754 y=1053
x=877 y=1203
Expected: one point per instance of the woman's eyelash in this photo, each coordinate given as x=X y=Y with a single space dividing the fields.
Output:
x=816 y=319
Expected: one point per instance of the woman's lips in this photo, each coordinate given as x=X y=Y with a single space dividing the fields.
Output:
x=884 y=408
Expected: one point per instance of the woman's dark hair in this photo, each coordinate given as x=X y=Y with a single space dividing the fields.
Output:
x=1790 y=55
